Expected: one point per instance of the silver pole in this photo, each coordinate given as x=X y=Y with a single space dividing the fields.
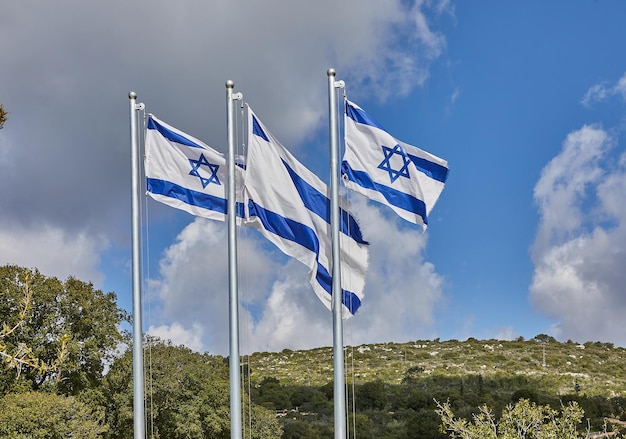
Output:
x=138 y=375
x=339 y=387
x=235 y=389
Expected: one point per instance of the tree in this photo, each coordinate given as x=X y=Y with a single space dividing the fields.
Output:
x=71 y=328
x=263 y=423
x=412 y=374
x=423 y=424
x=524 y=420
x=3 y=116
x=187 y=393
x=371 y=395
x=297 y=429
x=48 y=416
x=272 y=395
x=544 y=338
x=20 y=355
x=363 y=426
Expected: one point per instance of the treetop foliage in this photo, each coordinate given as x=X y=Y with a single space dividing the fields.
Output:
x=522 y=420
x=45 y=415
x=68 y=328
x=187 y=395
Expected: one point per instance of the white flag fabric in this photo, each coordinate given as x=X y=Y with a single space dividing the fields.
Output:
x=290 y=206
x=185 y=173
x=384 y=169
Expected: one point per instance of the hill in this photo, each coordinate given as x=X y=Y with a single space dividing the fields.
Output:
x=542 y=363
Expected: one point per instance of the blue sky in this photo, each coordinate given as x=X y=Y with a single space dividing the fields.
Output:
x=525 y=100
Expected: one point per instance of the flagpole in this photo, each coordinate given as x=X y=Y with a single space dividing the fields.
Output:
x=235 y=375
x=138 y=375
x=339 y=386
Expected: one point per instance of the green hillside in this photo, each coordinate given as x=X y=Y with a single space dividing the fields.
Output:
x=592 y=368
x=392 y=388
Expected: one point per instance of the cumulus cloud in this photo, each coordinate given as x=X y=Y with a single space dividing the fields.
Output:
x=403 y=288
x=564 y=183
x=579 y=251
x=401 y=294
x=179 y=335
x=191 y=287
x=278 y=307
x=291 y=317
x=54 y=251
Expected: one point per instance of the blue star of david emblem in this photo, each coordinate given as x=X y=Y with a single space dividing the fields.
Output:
x=195 y=167
x=386 y=165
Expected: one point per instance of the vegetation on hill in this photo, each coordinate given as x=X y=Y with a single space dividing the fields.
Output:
x=393 y=387
x=68 y=372
x=592 y=368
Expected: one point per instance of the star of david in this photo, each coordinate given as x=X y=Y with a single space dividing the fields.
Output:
x=195 y=167
x=386 y=164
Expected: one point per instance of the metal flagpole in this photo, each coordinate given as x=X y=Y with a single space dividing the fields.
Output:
x=138 y=375
x=235 y=376
x=339 y=387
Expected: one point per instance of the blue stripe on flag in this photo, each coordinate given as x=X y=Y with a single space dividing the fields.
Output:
x=319 y=204
x=305 y=236
x=256 y=129
x=191 y=197
x=348 y=298
x=360 y=116
x=397 y=198
x=433 y=170
x=171 y=135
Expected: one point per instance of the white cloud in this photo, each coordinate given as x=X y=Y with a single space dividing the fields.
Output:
x=292 y=316
x=192 y=287
x=564 y=183
x=602 y=91
x=505 y=333
x=620 y=87
x=401 y=293
x=179 y=335
x=596 y=93
x=455 y=95
x=579 y=252
x=402 y=288
x=279 y=309
x=432 y=41
x=53 y=252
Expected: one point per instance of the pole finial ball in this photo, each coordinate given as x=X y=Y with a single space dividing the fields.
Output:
x=132 y=95
x=331 y=72
x=230 y=84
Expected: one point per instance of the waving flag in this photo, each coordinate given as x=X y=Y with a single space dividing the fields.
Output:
x=184 y=173
x=389 y=171
x=290 y=206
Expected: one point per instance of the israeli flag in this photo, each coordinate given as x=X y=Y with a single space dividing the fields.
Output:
x=384 y=169
x=290 y=206
x=185 y=173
